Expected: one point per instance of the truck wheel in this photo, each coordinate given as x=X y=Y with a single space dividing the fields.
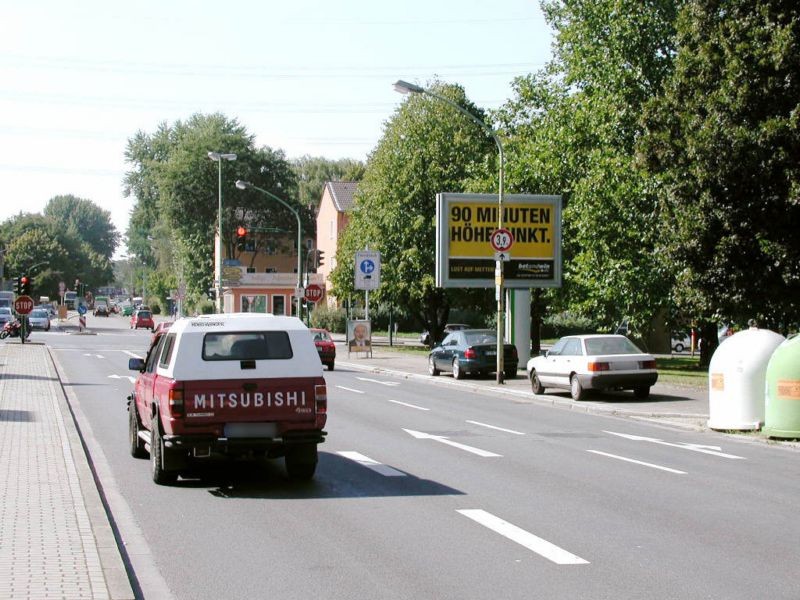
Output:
x=136 y=443
x=536 y=385
x=301 y=461
x=160 y=475
x=576 y=389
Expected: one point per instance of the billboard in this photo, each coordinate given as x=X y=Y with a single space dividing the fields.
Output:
x=465 y=256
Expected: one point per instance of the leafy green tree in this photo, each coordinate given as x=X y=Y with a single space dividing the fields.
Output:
x=427 y=148
x=314 y=172
x=85 y=220
x=724 y=140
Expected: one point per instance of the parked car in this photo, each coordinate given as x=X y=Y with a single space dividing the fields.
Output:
x=680 y=341
x=142 y=319
x=593 y=362
x=325 y=347
x=39 y=319
x=100 y=310
x=425 y=337
x=472 y=351
x=6 y=315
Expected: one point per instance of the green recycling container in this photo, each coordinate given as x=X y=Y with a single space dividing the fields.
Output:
x=782 y=410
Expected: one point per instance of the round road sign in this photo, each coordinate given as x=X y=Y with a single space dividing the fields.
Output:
x=23 y=305
x=313 y=293
x=501 y=240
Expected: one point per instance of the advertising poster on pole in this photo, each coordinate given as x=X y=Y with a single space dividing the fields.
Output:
x=359 y=336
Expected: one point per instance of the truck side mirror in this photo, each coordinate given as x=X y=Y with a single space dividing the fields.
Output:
x=136 y=364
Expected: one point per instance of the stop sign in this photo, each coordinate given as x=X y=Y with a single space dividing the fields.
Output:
x=313 y=293
x=23 y=305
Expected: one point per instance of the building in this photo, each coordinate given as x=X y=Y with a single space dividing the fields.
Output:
x=332 y=219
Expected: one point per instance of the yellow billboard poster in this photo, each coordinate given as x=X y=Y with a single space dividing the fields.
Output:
x=465 y=253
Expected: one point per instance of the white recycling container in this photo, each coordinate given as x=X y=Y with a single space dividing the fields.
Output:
x=737 y=379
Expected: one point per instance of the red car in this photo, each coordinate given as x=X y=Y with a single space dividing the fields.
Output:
x=143 y=319
x=325 y=347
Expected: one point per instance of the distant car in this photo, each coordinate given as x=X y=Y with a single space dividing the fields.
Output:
x=5 y=315
x=325 y=347
x=593 y=362
x=680 y=342
x=425 y=337
x=39 y=318
x=142 y=319
x=127 y=310
x=472 y=351
x=100 y=310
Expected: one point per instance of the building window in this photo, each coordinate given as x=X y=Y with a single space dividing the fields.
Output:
x=331 y=233
x=251 y=269
x=256 y=303
x=279 y=305
x=270 y=270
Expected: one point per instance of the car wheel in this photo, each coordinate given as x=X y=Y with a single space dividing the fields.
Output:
x=432 y=370
x=576 y=389
x=641 y=392
x=160 y=475
x=301 y=461
x=536 y=385
x=678 y=347
x=136 y=443
x=457 y=372
x=510 y=374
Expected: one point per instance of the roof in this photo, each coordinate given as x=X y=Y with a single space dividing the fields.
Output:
x=342 y=193
x=237 y=322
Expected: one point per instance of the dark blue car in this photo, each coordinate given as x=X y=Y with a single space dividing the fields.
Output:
x=472 y=351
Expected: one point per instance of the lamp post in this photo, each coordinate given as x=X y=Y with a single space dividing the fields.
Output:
x=244 y=185
x=218 y=158
x=405 y=88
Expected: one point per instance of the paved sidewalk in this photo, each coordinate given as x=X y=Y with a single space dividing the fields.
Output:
x=55 y=537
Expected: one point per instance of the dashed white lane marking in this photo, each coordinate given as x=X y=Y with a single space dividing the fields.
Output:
x=128 y=377
x=341 y=387
x=524 y=538
x=371 y=464
x=638 y=462
x=131 y=354
x=420 y=435
x=712 y=450
x=495 y=427
x=389 y=383
x=409 y=405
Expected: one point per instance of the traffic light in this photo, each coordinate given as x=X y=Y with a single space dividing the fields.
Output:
x=26 y=285
x=320 y=258
x=241 y=238
x=18 y=286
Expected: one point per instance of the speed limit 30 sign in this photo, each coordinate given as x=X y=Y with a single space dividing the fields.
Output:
x=501 y=240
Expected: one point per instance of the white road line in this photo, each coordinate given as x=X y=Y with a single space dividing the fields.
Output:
x=495 y=427
x=371 y=464
x=420 y=435
x=712 y=450
x=409 y=405
x=638 y=462
x=524 y=538
x=341 y=387
x=131 y=354
x=128 y=377
x=389 y=383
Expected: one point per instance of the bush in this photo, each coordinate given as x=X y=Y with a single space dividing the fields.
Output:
x=566 y=323
x=332 y=319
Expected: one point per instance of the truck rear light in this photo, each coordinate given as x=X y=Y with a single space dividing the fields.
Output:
x=598 y=366
x=175 y=396
x=321 y=399
x=648 y=364
x=470 y=353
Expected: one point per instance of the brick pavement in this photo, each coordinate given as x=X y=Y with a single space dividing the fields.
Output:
x=55 y=538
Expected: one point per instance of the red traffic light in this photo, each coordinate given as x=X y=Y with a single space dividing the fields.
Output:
x=241 y=231
x=23 y=280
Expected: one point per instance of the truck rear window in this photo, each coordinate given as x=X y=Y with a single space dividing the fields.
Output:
x=262 y=345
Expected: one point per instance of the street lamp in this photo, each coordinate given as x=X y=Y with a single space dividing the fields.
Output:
x=244 y=185
x=405 y=88
x=218 y=158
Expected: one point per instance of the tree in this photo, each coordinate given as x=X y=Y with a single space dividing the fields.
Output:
x=427 y=147
x=724 y=140
x=86 y=221
x=314 y=172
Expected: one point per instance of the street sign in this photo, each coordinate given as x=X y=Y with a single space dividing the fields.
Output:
x=313 y=293
x=23 y=305
x=82 y=309
x=502 y=256
x=368 y=270
x=501 y=240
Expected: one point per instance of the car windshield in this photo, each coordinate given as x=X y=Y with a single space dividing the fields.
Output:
x=38 y=314
x=610 y=345
x=247 y=346
x=480 y=336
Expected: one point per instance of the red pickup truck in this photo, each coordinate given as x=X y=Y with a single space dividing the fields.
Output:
x=225 y=386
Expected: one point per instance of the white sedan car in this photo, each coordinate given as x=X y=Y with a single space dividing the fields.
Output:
x=593 y=362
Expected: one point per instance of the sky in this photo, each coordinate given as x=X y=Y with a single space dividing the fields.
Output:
x=309 y=77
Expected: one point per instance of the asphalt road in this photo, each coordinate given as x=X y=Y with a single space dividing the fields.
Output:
x=439 y=491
